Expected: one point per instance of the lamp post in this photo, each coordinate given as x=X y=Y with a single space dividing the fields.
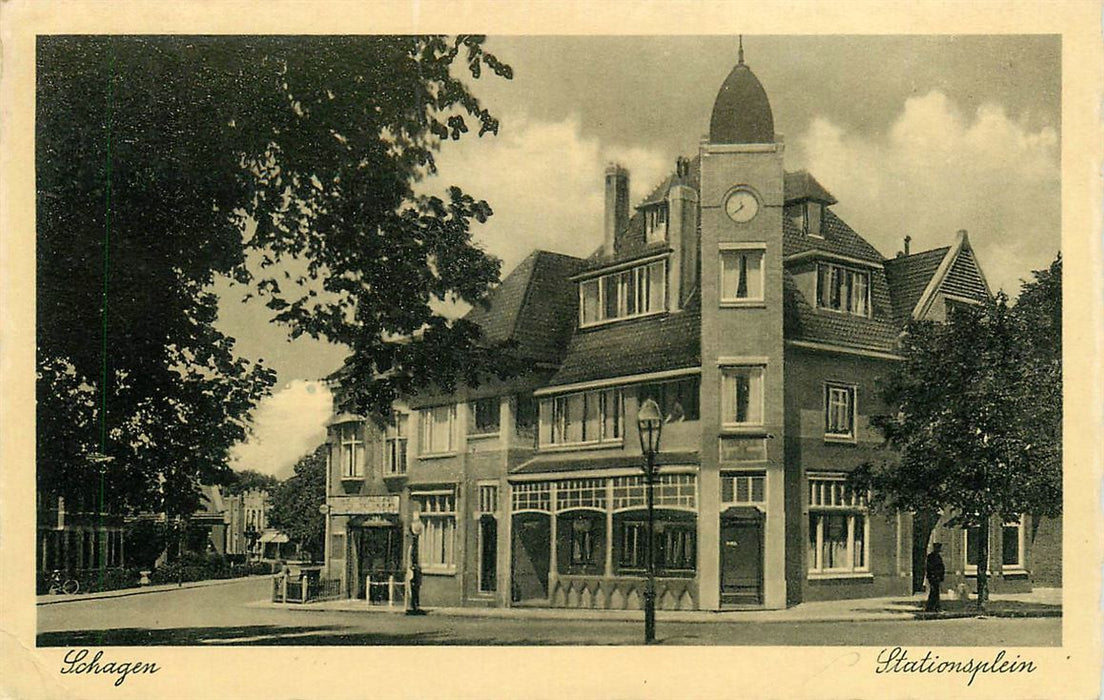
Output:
x=416 y=527
x=649 y=423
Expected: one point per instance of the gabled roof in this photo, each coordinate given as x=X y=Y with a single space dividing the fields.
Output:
x=634 y=346
x=909 y=276
x=535 y=306
x=836 y=237
x=958 y=274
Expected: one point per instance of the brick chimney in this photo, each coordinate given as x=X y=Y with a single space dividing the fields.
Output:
x=908 y=240
x=617 y=205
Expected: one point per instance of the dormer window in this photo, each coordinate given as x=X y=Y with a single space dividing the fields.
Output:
x=655 y=223
x=843 y=289
x=637 y=291
x=808 y=216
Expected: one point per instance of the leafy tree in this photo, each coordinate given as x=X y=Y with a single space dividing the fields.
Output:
x=287 y=163
x=962 y=405
x=248 y=480
x=297 y=502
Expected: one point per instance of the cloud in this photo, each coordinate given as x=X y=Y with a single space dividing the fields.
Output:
x=286 y=425
x=544 y=181
x=935 y=170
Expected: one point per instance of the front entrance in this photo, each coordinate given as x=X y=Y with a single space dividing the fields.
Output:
x=742 y=560
x=377 y=556
x=530 y=558
x=488 y=554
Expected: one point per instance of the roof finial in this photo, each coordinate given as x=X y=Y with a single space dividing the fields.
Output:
x=741 y=55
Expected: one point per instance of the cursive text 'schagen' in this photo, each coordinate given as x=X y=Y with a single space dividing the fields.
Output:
x=897 y=660
x=75 y=663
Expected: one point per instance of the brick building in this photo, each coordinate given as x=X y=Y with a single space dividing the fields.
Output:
x=759 y=321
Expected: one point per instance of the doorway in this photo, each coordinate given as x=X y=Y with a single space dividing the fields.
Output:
x=377 y=554
x=530 y=558
x=488 y=554
x=742 y=560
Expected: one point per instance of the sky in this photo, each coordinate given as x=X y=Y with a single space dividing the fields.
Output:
x=917 y=135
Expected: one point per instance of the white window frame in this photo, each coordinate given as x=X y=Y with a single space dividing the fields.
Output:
x=736 y=249
x=552 y=417
x=749 y=476
x=1019 y=567
x=850 y=390
x=439 y=534
x=426 y=448
x=352 y=464
x=393 y=438
x=639 y=288
x=820 y=488
x=837 y=268
x=728 y=412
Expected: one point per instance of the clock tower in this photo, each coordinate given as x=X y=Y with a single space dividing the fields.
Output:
x=743 y=537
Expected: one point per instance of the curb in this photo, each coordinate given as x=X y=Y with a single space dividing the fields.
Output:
x=145 y=590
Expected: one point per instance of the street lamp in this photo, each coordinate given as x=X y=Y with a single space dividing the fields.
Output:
x=416 y=527
x=649 y=423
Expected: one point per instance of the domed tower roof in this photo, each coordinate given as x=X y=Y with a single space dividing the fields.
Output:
x=741 y=112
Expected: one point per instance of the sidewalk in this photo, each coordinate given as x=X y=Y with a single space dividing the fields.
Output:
x=48 y=599
x=1040 y=603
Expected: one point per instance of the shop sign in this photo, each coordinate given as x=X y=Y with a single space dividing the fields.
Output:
x=364 y=505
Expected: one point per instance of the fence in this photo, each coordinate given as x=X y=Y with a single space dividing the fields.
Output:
x=308 y=587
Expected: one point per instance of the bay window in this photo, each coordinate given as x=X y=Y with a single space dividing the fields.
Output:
x=634 y=292
x=839 y=527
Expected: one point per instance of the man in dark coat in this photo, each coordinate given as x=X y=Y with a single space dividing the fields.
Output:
x=933 y=571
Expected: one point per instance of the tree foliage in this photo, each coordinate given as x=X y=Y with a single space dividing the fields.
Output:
x=287 y=163
x=297 y=502
x=970 y=433
x=249 y=480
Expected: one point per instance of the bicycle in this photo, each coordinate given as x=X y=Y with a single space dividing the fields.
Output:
x=67 y=585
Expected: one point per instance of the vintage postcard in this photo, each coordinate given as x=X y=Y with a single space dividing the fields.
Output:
x=476 y=349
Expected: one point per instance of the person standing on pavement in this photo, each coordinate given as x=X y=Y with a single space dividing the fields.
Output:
x=933 y=571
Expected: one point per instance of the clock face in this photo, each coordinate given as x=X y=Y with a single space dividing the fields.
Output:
x=742 y=206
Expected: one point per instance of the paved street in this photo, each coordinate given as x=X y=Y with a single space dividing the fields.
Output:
x=220 y=614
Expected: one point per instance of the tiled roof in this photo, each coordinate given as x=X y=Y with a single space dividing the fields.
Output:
x=637 y=346
x=803 y=322
x=800 y=185
x=908 y=276
x=837 y=237
x=566 y=462
x=631 y=243
x=535 y=305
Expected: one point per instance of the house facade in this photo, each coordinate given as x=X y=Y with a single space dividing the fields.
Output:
x=758 y=320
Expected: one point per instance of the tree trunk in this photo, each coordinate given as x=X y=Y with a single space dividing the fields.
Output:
x=983 y=565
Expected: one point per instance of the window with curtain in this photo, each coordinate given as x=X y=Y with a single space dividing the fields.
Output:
x=437 y=544
x=843 y=289
x=838 y=527
x=394 y=444
x=742 y=395
x=438 y=430
x=582 y=418
x=350 y=450
x=741 y=275
x=637 y=291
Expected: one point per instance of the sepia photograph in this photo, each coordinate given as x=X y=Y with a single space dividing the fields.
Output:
x=563 y=360
x=685 y=340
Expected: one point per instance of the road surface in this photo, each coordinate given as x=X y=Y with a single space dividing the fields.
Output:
x=216 y=615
